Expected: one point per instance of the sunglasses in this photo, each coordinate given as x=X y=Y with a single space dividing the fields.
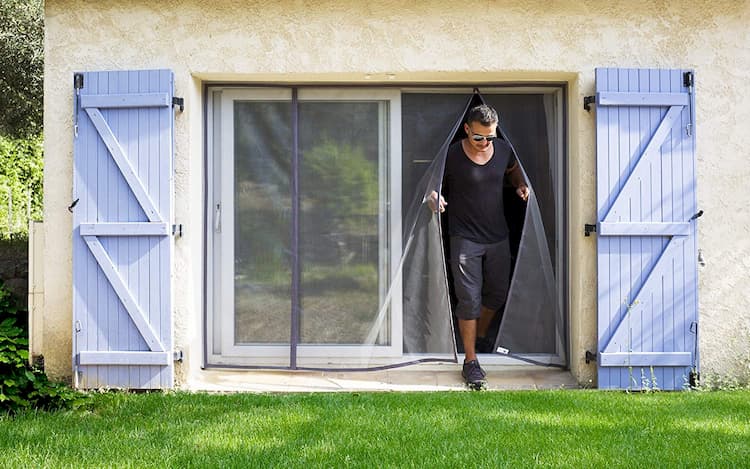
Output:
x=479 y=138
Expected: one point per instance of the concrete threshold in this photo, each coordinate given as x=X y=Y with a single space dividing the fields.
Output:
x=426 y=377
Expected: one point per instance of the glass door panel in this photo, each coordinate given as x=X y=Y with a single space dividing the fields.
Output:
x=251 y=213
x=345 y=248
x=341 y=148
x=347 y=229
x=262 y=216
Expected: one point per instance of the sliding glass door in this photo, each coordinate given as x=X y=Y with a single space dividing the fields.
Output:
x=325 y=162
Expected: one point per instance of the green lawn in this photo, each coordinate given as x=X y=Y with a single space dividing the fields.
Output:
x=449 y=429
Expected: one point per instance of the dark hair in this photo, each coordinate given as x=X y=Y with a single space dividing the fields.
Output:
x=483 y=114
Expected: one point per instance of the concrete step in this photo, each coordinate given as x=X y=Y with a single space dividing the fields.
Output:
x=430 y=377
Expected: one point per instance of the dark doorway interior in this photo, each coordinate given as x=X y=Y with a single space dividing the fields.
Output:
x=523 y=121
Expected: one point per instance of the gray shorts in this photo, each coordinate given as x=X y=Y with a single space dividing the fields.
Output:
x=481 y=275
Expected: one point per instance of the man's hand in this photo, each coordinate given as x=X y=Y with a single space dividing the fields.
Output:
x=436 y=203
x=523 y=192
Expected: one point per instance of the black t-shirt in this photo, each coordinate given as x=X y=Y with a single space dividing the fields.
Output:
x=474 y=194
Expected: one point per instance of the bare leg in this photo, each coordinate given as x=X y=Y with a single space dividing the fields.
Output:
x=485 y=319
x=468 y=329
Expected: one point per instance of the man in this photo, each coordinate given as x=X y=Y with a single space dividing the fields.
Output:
x=479 y=247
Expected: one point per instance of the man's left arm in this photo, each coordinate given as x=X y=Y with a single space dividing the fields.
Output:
x=515 y=175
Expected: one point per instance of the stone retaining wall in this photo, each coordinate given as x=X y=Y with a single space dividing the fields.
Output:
x=14 y=267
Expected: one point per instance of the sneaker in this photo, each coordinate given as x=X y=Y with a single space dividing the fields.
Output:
x=473 y=374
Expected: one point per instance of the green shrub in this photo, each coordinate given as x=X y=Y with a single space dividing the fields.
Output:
x=21 y=174
x=21 y=385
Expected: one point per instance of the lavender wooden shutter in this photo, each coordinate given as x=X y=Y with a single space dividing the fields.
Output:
x=647 y=251
x=122 y=248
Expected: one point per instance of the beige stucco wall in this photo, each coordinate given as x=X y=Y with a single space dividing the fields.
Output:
x=392 y=41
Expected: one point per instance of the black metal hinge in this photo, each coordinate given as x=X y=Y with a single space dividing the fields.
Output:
x=687 y=79
x=177 y=230
x=78 y=81
x=694 y=379
x=590 y=357
x=178 y=102
x=77 y=85
x=588 y=229
x=588 y=101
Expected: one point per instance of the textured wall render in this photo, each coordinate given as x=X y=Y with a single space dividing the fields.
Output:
x=441 y=41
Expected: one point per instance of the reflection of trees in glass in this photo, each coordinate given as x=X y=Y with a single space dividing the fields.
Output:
x=263 y=216
x=339 y=212
x=342 y=185
x=262 y=193
x=339 y=222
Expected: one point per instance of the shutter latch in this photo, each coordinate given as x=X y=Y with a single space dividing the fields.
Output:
x=588 y=101
x=697 y=215
x=177 y=230
x=178 y=102
x=588 y=229
x=590 y=357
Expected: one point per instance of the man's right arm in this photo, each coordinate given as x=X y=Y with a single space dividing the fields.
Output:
x=436 y=202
